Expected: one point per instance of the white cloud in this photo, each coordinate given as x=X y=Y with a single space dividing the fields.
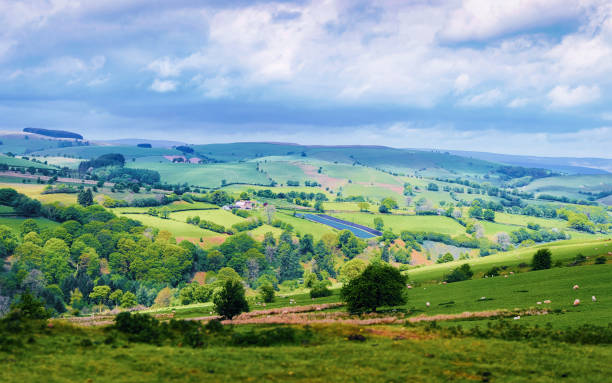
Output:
x=163 y=86
x=518 y=102
x=462 y=82
x=565 y=96
x=484 y=19
x=488 y=98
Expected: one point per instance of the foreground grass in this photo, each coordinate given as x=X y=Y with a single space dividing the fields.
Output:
x=518 y=291
x=330 y=357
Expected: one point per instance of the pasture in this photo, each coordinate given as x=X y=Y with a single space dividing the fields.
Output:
x=561 y=251
x=205 y=175
x=398 y=223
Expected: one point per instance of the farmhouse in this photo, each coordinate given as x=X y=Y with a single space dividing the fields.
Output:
x=244 y=205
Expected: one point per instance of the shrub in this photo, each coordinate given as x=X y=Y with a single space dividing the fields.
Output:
x=267 y=292
x=600 y=260
x=461 y=273
x=379 y=285
x=278 y=335
x=230 y=301
x=320 y=290
x=542 y=260
x=493 y=271
x=138 y=327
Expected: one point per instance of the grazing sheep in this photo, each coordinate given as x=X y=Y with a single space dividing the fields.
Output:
x=517 y=317
x=576 y=287
x=547 y=301
x=593 y=298
x=427 y=304
x=408 y=286
x=576 y=302
x=539 y=303
x=506 y=276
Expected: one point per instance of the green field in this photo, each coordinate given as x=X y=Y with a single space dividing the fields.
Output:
x=561 y=251
x=15 y=223
x=23 y=163
x=571 y=185
x=179 y=229
x=36 y=191
x=399 y=223
x=206 y=175
x=91 y=151
x=218 y=216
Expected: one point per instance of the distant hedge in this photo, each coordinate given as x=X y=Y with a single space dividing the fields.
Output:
x=53 y=133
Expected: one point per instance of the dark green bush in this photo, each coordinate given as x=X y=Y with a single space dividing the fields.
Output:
x=461 y=273
x=230 y=301
x=379 y=285
x=138 y=327
x=542 y=260
x=267 y=292
x=600 y=260
x=270 y=337
x=320 y=290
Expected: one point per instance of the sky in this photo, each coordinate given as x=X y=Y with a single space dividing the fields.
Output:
x=518 y=77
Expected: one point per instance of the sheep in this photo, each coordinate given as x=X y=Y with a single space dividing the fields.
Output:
x=539 y=303
x=548 y=301
x=576 y=302
x=427 y=304
x=576 y=287
x=517 y=317
x=593 y=298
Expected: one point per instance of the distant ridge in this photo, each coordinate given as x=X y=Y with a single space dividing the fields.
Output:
x=53 y=133
x=570 y=165
x=136 y=141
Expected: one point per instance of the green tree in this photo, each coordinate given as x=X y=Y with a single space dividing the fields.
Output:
x=488 y=215
x=214 y=260
x=349 y=244
x=542 y=260
x=128 y=300
x=380 y=284
x=115 y=296
x=76 y=298
x=461 y=273
x=28 y=226
x=379 y=223
x=319 y=206
x=164 y=212
x=56 y=260
x=363 y=206
x=387 y=204
x=99 y=294
x=448 y=257
x=290 y=267
x=324 y=259
x=266 y=291
x=351 y=270
x=8 y=241
x=85 y=198
x=475 y=211
x=230 y=301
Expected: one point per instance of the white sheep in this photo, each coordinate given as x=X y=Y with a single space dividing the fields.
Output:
x=539 y=303
x=593 y=298
x=427 y=304
x=576 y=287
x=576 y=302
x=548 y=301
x=517 y=317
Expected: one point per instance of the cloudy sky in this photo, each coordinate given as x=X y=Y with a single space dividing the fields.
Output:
x=521 y=76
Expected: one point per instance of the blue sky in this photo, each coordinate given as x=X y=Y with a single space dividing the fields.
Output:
x=521 y=77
